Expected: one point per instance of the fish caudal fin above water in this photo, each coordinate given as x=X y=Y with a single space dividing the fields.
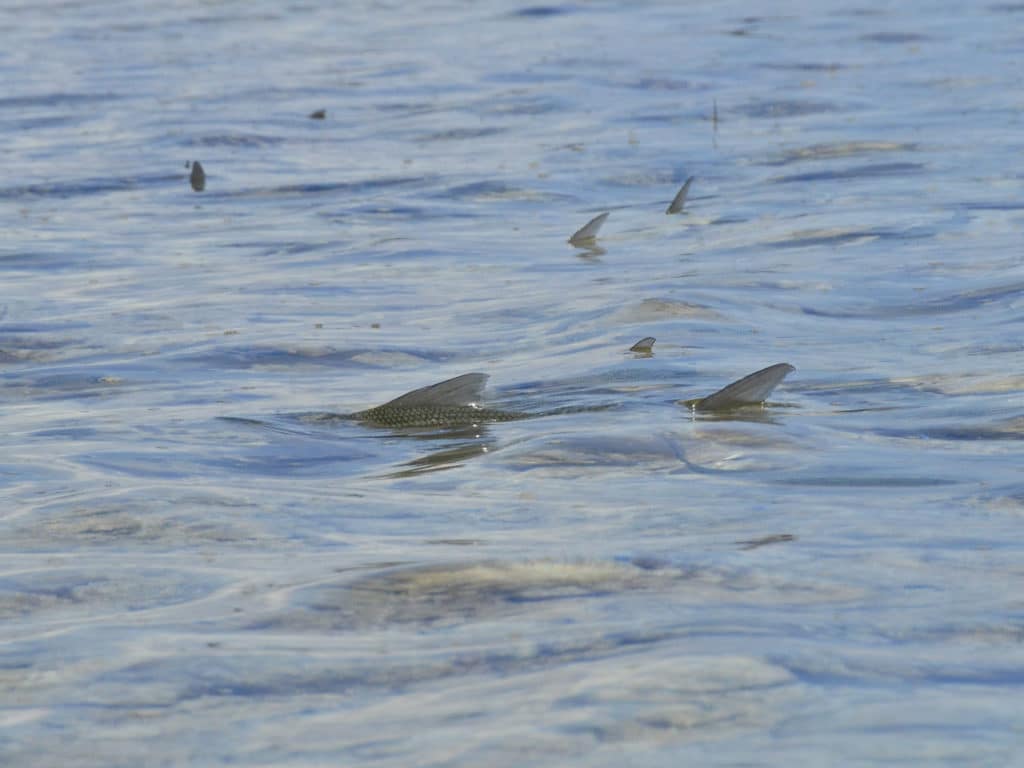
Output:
x=750 y=390
x=197 y=178
x=644 y=345
x=588 y=232
x=676 y=206
x=450 y=403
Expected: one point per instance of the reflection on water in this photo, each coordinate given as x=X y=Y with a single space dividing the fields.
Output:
x=445 y=459
x=201 y=557
x=956 y=302
x=840 y=149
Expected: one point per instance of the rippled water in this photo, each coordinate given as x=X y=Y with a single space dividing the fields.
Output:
x=197 y=572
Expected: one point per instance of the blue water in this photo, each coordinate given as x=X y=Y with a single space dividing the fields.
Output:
x=196 y=572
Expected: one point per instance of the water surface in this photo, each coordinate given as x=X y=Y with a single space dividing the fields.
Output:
x=196 y=573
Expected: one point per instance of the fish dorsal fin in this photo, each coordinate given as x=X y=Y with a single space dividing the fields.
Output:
x=466 y=389
x=680 y=199
x=749 y=390
x=644 y=345
x=589 y=230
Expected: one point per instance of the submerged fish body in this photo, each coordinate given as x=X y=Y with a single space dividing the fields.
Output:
x=456 y=402
x=450 y=403
x=433 y=415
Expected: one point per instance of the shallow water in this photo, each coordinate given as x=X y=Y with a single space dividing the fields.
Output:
x=197 y=572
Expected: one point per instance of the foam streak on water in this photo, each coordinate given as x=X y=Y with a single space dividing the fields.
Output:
x=200 y=566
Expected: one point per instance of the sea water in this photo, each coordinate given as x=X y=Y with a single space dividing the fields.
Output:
x=194 y=572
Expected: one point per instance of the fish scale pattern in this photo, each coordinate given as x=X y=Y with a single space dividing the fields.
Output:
x=433 y=415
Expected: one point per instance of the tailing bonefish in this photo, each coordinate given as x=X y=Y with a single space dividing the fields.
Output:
x=458 y=401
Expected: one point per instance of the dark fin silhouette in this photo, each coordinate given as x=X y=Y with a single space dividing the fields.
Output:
x=679 y=200
x=644 y=345
x=750 y=390
x=319 y=114
x=198 y=177
x=466 y=389
x=777 y=538
x=586 y=234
